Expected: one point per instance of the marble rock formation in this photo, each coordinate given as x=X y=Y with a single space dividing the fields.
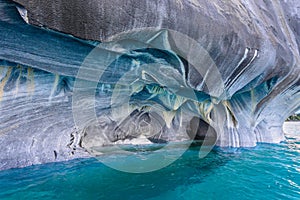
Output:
x=241 y=84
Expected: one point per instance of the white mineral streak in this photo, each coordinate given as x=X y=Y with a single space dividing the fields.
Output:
x=253 y=44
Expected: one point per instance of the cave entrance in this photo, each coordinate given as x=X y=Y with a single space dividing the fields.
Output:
x=294 y=117
x=199 y=130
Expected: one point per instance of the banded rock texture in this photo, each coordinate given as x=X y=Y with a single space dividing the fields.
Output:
x=254 y=45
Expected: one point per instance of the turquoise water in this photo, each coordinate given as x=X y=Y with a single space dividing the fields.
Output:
x=264 y=172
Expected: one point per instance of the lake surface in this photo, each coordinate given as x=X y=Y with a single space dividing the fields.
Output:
x=268 y=171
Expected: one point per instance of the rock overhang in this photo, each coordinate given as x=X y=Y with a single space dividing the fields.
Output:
x=254 y=46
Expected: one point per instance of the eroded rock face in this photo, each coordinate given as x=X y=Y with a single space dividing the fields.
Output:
x=253 y=45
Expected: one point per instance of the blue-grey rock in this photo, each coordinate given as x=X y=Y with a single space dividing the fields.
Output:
x=44 y=44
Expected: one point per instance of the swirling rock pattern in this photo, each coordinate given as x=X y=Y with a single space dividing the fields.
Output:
x=255 y=46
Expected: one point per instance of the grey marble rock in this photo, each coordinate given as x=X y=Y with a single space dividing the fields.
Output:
x=253 y=45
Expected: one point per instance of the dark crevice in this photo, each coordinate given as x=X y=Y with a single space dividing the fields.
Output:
x=55 y=154
x=198 y=129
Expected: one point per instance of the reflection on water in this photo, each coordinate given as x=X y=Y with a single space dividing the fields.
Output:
x=292 y=133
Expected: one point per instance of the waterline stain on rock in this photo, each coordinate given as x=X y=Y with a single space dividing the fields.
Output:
x=30 y=81
x=4 y=81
